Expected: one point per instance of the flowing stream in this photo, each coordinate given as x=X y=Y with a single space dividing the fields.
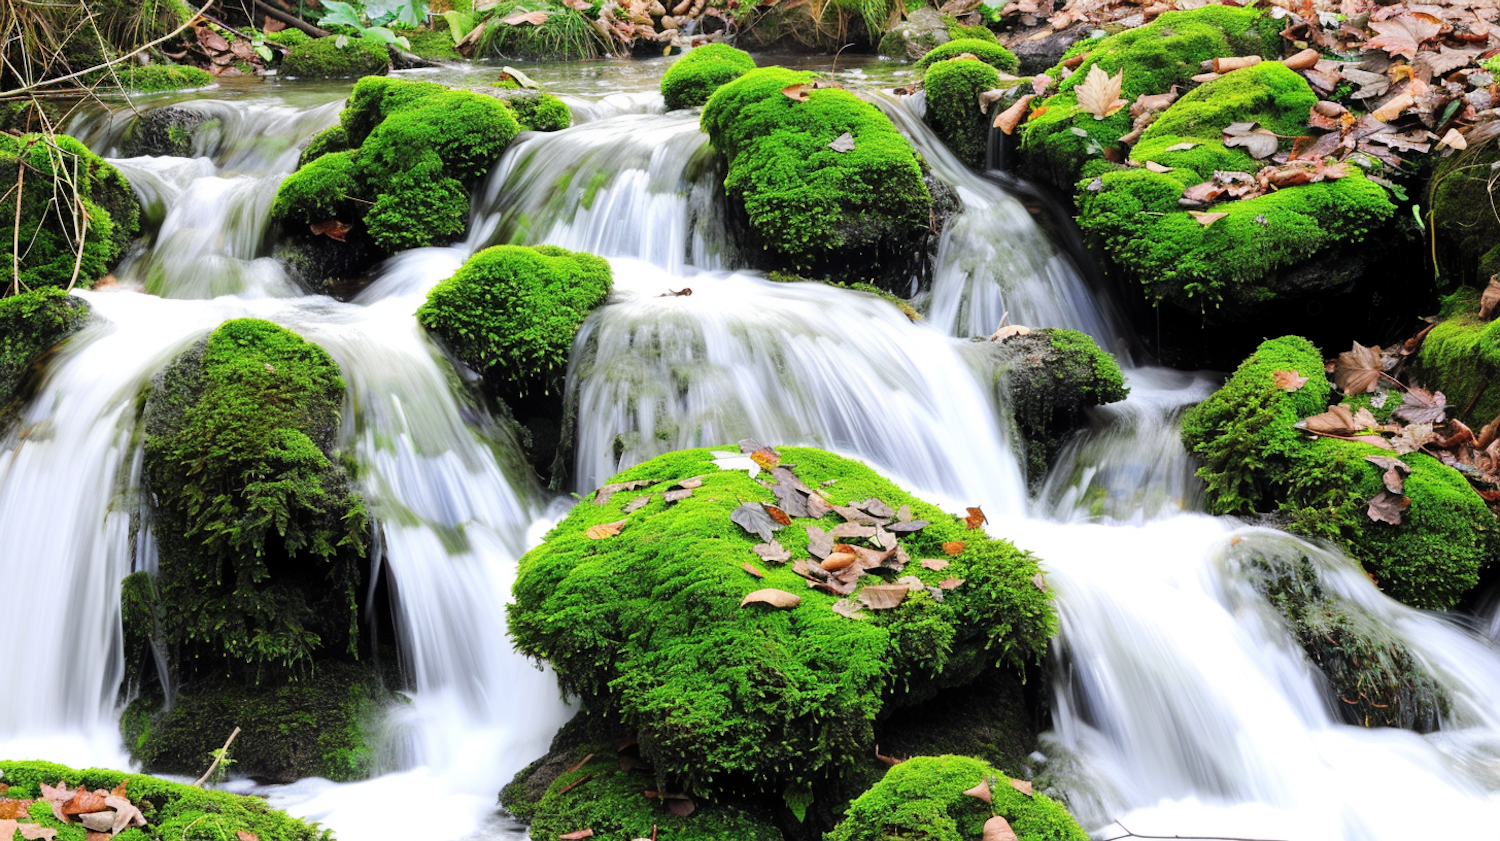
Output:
x=1182 y=706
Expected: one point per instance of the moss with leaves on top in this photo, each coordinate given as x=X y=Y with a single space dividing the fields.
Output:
x=923 y=797
x=31 y=324
x=692 y=79
x=173 y=811
x=262 y=536
x=646 y=627
x=849 y=215
x=953 y=88
x=986 y=51
x=566 y=34
x=336 y=57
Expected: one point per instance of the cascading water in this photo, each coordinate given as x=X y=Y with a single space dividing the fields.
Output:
x=1182 y=706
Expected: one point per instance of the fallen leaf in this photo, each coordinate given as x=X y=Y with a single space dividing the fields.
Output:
x=935 y=564
x=975 y=519
x=848 y=608
x=576 y=836
x=1100 y=92
x=1394 y=107
x=1023 y=786
x=211 y=40
x=953 y=547
x=1207 y=219
x=777 y=514
x=333 y=229
x=796 y=93
x=636 y=504
x=1365 y=419
x=1338 y=420
x=1490 y=300
x=755 y=519
x=1011 y=117
x=1153 y=166
x=1039 y=581
x=1181 y=147
x=83 y=802
x=604 y=530
x=1419 y=405
x=772 y=597
x=671 y=497
x=772 y=552
x=536 y=18
x=908 y=527
x=998 y=829
x=691 y=483
x=1357 y=371
x=1412 y=437
x=766 y=457
x=1288 y=380
x=1260 y=142
x=980 y=791
x=876 y=508
x=97 y=821
x=842 y=143
x=750 y=568
x=1404 y=35
x=1454 y=140
x=36 y=832
x=888 y=760
x=883 y=596
x=950 y=583
x=606 y=492
x=126 y=814
x=819 y=542
x=1386 y=507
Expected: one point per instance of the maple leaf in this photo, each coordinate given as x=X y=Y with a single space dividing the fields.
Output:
x=1358 y=370
x=1288 y=380
x=1386 y=507
x=1413 y=437
x=1419 y=405
x=1260 y=142
x=1100 y=92
x=1404 y=35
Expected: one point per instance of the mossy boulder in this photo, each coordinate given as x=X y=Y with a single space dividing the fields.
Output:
x=953 y=87
x=924 y=798
x=647 y=628
x=1057 y=143
x=31 y=324
x=534 y=110
x=1048 y=379
x=1461 y=358
x=261 y=533
x=692 y=79
x=339 y=57
x=1254 y=460
x=860 y=214
x=1464 y=217
x=47 y=220
x=166 y=131
x=985 y=50
x=154 y=78
x=173 y=811
x=329 y=140
x=922 y=29
x=320 y=726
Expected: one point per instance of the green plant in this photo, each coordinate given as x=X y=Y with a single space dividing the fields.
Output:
x=566 y=34
x=369 y=19
x=692 y=79
x=337 y=57
x=986 y=51
x=30 y=324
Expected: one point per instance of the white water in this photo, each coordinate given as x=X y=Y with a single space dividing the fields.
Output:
x=1182 y=707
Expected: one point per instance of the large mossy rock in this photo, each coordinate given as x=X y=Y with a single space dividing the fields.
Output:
x=336 y=58
x=173 y=811
x=924 y=798
x=692 y=79
x=166 y=131
x=31 y=324
x=646 y=627
x=320 y=726
x=1461 y=358
x=261 y=533
x=850 y=215
x=1465 y=221
x=953 y=87
x=1254 y=460
x=48 y=224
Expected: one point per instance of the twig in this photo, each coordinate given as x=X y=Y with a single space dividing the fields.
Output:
x=16 y=92
x=15 y=237
x=1129 y=834
x=291 y=20
x=82 y=214
x=218 y=757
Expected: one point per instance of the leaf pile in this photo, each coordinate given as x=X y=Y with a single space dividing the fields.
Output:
x=102 y=813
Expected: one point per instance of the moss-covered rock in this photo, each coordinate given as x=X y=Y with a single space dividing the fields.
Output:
x=1255 y=460
x=152 y=78
x=320 y=726
x=924 y=798
x=47 y=219
x=329 y=140
x=851 y=215
x=173 y=811
x=537 y=111
x=166 y=131
x=31 y=324
x=336 y=58
x=261 y=533
x=1461 y=358
x=986 y=51
x=692 y=79
x=953 y=87
x=1464 y=218
x=647 y=627
x=922 y=29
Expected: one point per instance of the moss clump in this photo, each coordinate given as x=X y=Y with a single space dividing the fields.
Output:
x=566 y=35
x=1255 y=460
x=1464 y=217
x=327 y=141
x=646 y=627
x=173 y=811
x=261 y=533
x=320 y=726
x=540 y=111
x=434 y=44
x=47 y=227
x=163 y=77
x=289 y=37
x=1461 y=358
x=988 y=52
x=1154 y=57
x=810 y=208
x=924 y=798
x=1048 y=378
x=953 y=87
x=512 y=311
x=692 y=79
x=324 y=58
x=31 y=324
x=411 y=148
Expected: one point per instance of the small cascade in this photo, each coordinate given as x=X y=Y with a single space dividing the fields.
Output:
x=799 y=363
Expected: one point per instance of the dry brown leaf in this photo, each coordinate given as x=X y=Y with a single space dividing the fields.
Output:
x=97 y=821
x=1357 y=371
x=1238 y=62
x=244 y=835
x=1454 y=140
x=1490 y=300
x=1207 y=218
x=796 y=93
x=950 y=583
x=773 y=597
x=333 y=229
x=1404 y=35
x=1013 y=116
x=1023 y=786
x=883 y=596
x=125 y=814
x=1394 y=107
x=576 y=836
x=1387 y=507
x=1305 y=60
x=636 y=504
x=1258 y=141
x=998 y=829
x=37 y=832
x=777 y=514
x=843 y=143
x=604 y=530
x=1288 y=380
x=975 y=519
x=1153 y=166
x=1181 y=147
x=536 y=18
x=772 y=552
x=953 y=547
x=119 y=791
x=1100 y=92
x=750 y=568
x=1418 y=405
x=935 y=564
x=84 y=802
x=691 y=482
x=1338 y=420
x=675 y=496
x=1412 y=437
x=888 y=760
x=838 y=560
x=848 y=608
x=981 y=791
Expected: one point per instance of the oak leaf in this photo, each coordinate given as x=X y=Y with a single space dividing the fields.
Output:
x=773 y=597
x=1100 y=92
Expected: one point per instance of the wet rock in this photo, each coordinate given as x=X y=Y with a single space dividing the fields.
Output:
x=163 y=132
x=912 y=38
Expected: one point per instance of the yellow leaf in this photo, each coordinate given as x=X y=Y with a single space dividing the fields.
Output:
x=1100 y=93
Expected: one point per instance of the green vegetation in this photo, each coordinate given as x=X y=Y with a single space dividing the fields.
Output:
x=986 y=51
x=539 y=111
x=953 y=88
x=50 y=223
x=1254 y=460
x=692 y=79
x=1461 y=358
x=62 y=38
x=512 y=312
x=329 y=140
x=646 y=627
x=325 y=58
x=31 y=324
x=151 y=78
x=173 y=811
x=1465 y=218
x=811 y=208
x=924 y=798
x=261 y=533
x=567 y=34
x=315 y=727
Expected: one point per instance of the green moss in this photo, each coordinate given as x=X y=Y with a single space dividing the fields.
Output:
x=31 y=324
x=959 y=32
x=289 y=37
x=924 y=798
x=566 y=35
x=1166 y=52
x=323 y=58
x=163 y=77
x=512 y=311
x=647 y=629
x=321 y=726
x=261 y=534
x=47 y=228
x=1267 y=93
x=811 y=208
x=431 y=213
x=1465 y=218
x=328 y=187
x=434 y=44
x=329 y=140
x=1461 y=358
x=540 y=112
x=173 y=811
x=376 y=97
x=692 y=79
x=953 y=87
x=986 y=51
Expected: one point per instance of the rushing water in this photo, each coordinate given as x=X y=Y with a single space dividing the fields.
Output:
x=1182 y=706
